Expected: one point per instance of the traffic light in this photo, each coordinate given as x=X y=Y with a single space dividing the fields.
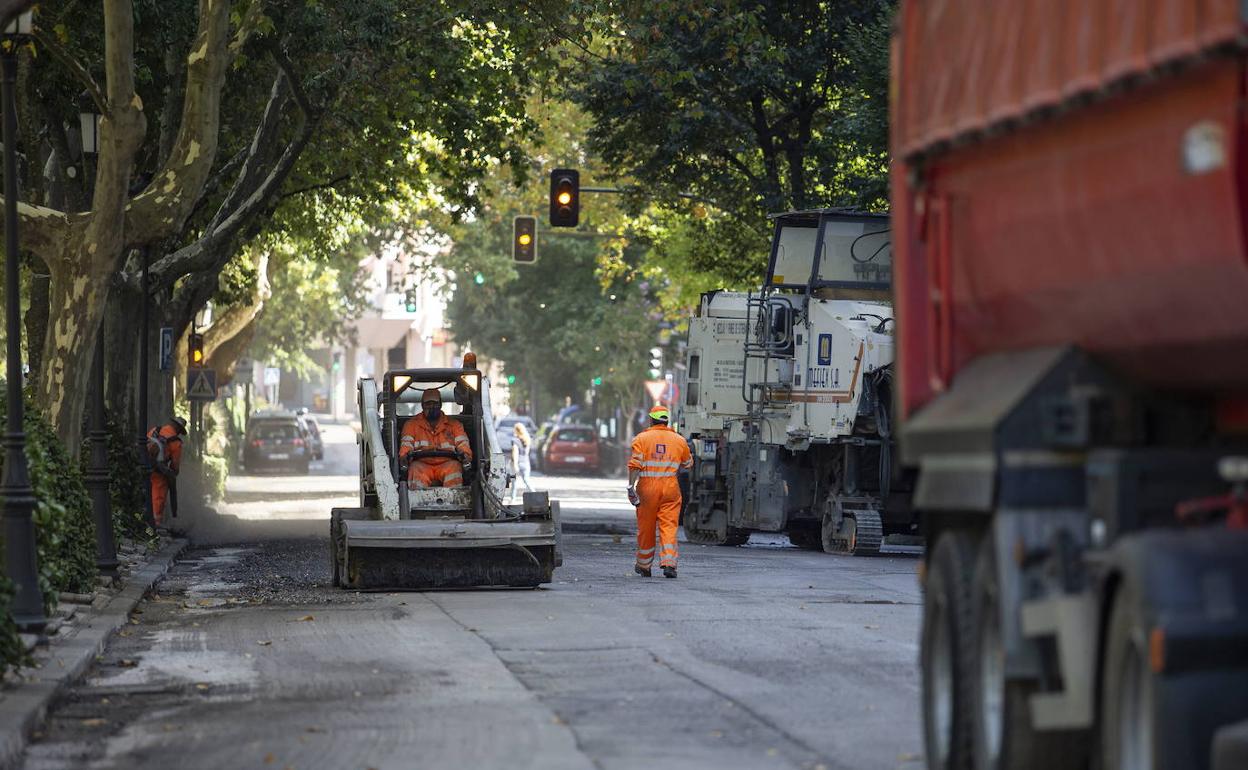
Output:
x=195 y=350
x=337 y=365
x=479 y=279
x=511 y=379
x=565 y=197
x=596 y=382
x=656 y=363
x=409 y=301
x=524 y=239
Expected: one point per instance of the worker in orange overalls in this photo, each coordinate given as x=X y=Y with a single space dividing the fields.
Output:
x=658 y=453
x=431 y=429
x=164 y=448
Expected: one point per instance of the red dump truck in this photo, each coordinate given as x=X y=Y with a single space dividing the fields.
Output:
x=1070 y=232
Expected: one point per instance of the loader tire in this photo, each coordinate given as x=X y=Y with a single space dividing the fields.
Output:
x=337 y=539
x=1003 y=735
x=946 y=652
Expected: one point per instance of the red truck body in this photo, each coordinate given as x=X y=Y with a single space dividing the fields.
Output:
x=1072 y=172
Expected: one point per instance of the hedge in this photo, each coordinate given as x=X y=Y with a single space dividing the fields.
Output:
x=64 y=529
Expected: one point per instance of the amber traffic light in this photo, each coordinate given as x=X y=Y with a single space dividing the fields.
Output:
x=565 y=197
x=524 y=239
x=195 y=350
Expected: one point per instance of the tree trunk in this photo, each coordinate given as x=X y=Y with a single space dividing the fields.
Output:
x=36 y=319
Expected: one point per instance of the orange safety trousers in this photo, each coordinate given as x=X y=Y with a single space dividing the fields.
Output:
x=447 y=473
x=660 y=504
x=160 y=496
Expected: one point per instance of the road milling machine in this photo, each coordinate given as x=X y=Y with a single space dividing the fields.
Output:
x=788 y=394
x=441 y=537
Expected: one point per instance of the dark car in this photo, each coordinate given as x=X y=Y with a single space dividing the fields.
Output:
x=572 y=448
x=276 y=442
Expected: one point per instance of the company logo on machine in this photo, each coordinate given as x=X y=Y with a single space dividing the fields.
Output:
x=825 y=349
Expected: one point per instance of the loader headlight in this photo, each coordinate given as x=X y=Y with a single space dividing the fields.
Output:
x=400 y=382
x=471 y=380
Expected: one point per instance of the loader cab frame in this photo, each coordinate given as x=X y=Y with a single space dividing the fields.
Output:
x=461 y=387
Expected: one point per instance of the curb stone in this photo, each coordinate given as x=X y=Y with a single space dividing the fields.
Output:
x=24 y=707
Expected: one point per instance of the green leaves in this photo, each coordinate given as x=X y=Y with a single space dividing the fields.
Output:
x=757 y=106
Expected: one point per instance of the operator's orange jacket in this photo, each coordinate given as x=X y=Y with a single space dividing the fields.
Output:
x=446 y=434
x=658 y=452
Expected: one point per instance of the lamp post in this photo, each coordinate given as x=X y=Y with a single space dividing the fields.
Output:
x=17 y=499
x=97 y=471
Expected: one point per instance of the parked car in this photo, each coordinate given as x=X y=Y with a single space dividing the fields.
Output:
x=505 y=431
x=572 y=448
x=276 y=440
x=539 y=444
x=313 y=431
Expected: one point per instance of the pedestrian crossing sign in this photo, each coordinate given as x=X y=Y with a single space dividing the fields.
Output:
x=203 y=385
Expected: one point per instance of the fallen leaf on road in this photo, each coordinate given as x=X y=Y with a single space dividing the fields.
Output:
x=303 y=619
x=316 y=729
x=127 y=662
x=167 y=727
x=134 y=621
x=202 y=686
x=262 y=642
x=124 y=632
x=105 y=701
x=95 y=722
x=908 y=757
x=772 y=752
x=717 y=733
x=614 y=538
x=268 y=758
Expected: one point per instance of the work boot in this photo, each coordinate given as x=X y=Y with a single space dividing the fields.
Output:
x=640 y=570
x=669 y=572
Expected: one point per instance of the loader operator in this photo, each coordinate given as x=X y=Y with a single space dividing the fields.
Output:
x=658 y=453
x=434 y=430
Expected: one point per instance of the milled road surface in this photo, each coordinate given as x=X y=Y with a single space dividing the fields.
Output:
x=756 y=657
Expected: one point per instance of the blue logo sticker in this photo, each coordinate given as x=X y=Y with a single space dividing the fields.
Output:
x=825 y=349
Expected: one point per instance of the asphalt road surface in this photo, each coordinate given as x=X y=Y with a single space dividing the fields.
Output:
x=756 y=657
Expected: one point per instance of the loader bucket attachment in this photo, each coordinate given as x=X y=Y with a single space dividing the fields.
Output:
x=449 y=553
x=452 y=552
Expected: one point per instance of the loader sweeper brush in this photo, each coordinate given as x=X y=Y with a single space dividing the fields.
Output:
x=443 y=537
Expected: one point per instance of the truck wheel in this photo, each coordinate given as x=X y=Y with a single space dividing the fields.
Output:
x=1001 y=721
x=945 y=652
x=1128 y=731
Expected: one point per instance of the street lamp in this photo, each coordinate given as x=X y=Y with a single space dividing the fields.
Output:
x=17 y=499
x=89 y=123
x=97 y=471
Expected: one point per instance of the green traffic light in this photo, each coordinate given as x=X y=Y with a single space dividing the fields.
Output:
x=511 y=379
x=479 y=278
x=597 y=381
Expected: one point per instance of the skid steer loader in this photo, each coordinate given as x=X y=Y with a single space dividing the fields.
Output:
x=442 y=537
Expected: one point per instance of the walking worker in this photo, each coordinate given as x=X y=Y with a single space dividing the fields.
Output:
x=164 y=449
x=520 y=459
x=431 y=429
x=658 y=453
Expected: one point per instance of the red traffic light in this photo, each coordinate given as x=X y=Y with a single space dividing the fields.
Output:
x=565 y=197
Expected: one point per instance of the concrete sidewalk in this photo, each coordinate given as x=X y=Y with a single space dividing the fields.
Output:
x=26 y=695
